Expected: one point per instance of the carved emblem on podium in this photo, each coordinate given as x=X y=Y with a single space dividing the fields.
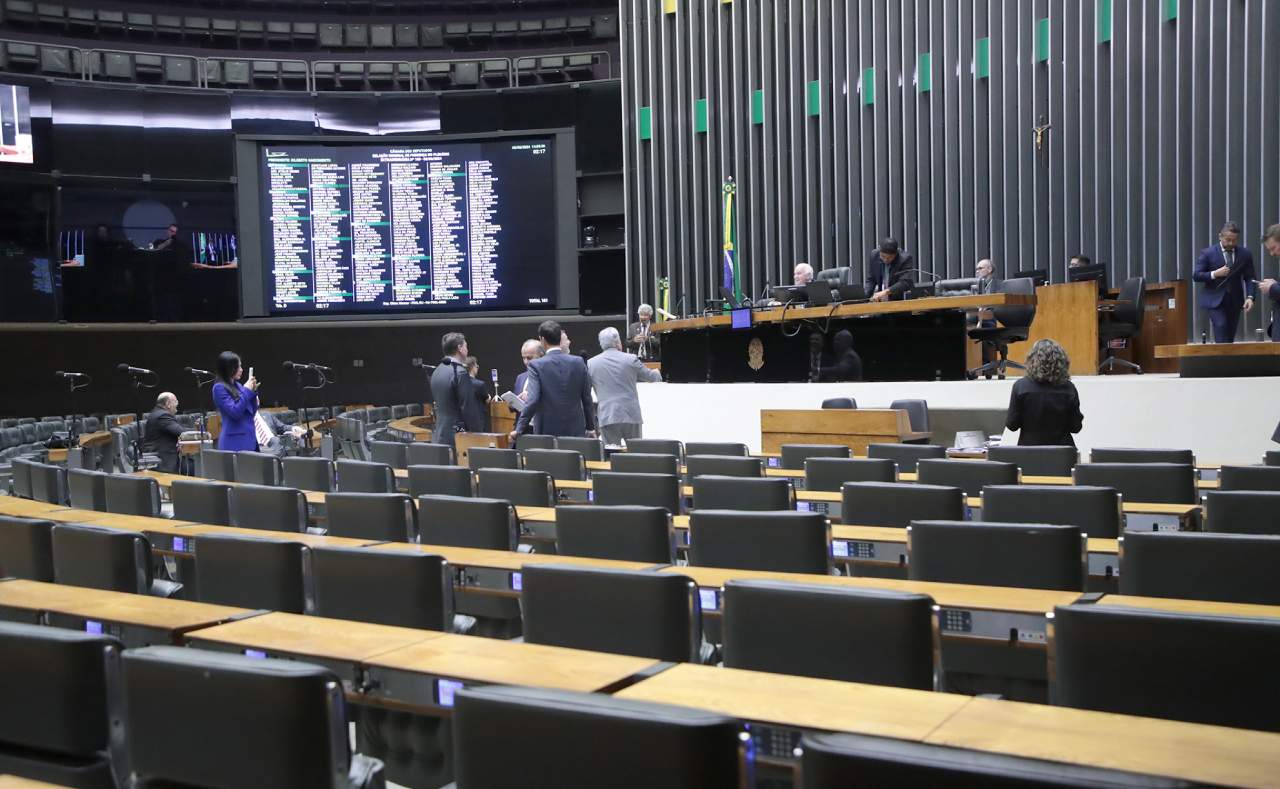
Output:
x=755 y=354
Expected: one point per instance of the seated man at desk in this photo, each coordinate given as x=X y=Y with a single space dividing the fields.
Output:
x=802 y=275
x=889 y=272
x=161 y=433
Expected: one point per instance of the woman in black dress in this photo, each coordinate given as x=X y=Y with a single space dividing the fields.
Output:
x=1044 y=405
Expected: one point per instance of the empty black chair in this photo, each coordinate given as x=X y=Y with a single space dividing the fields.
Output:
x=362 y=476
x=468 y=522
x=265 y=507
x=785 y=542
x=307 y=474
x=917 y=413
x=55 y=725
x=282 y=719
x=839 y=402
x=644 y=463
x=794 y=455
x=830 y=474
x=250 y=572
x=422 y=453
x=855 y=635
x=393 y=453
x=1242 y=512
x=1043 y=461
x=1232 y=568
x=1249 y=478
x=590 y=448
x=87 y=489
x=968 y=475
x=201 y=501
x=540 y=734
x=400 y=588
x=612 y=488
x=99 y=558
x=492 y=457
x=1013 y=323
x=743 y=493
x=906 y=455
x=841 y=761
x=1271 y=457
x=559 y=463
x=1095 y=510
x=1130 y=455
x=380 y=517
x=625 y=612
x=440 y=481
x=899 y=503
x=49 y=483
x=1116 y=659
x=627 y=533
x=218 y=464
x=521 y=488
x=722 y=466
x=26 y=548
x=1031 y=556
x=128 y=495
x=529 y=441
x=1159 y=483
x=715 y=448
x=21 y=470
x=655 y=446
x=258 y=468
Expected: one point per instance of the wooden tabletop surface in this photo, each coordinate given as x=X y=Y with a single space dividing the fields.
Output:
x=166 y=479
x=1201 y=607
x=508 y=560
x=1218 y=349
x=337 y=639
x=26 y=508
x=132 y=609
x=893 y=534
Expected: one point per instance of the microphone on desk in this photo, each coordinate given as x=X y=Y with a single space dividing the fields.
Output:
x=71 y=376
x=195 y=371
x=124 y=368
x=321 y=368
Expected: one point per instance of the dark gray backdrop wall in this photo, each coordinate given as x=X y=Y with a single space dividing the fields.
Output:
x=848 y=120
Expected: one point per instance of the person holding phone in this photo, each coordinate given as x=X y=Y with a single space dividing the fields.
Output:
x=237 y=404
x=1226 y=269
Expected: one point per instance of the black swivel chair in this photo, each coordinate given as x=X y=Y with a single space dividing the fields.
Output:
x=1095 y=510
x=634 y=744
x=906 y=455
x=1232 y=568
x=783 y=541
x=644 y=463
x=968 y=475
x=1013 y=325
x=399 y=588
x=840 y=402
x=87 y=489
x=627 y=533
x=440 y=481
x=830 y=474
x=590 y=448
x=258 y=468
x=1131 y=455
x=1271 y=457
x=218 y=464
x=794 y=455
x=49 y=483
x=743 y=493
x=533 y=441
x=899 y=503
x=422 y=453
x=268 y=508
x=21 y=470
x=55 y=725
x=917 y=413
x=715 y=448
x=521 y=488
x=1044 y=461
x=393 y=453
x=307 y=474
x=201 y=501
x=111 y=559
x=559 y=463
x=1162 y=483
x=129 y=495
x=361 y=476
x=1242 y=512
x=381 y=517
x=882 y=637
x=626 y=612
x=26 y=549
x=722 y=466
x=655 y=446
x=612 y=488
x=1121 y=320
x=1030 y=556
x=492 y=457
x=182 y=711
x=1249 y=478
x=250 y=572
x=1118 y=659
x=468 y=522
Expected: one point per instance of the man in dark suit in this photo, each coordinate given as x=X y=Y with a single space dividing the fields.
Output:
x=452 y=391
x=559 y=402
x=643 y=342
x=162 y=431
x=889 y=271
x=1226 y=269
x=1270 y=287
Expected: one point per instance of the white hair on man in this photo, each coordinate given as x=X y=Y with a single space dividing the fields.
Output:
x=644 y=310
x=609 y=338
x=167 y=400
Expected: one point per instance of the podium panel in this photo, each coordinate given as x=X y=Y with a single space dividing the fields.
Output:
x=463 y=442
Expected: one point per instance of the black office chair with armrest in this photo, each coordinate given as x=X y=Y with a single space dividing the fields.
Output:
x=1132 y=455
x=1242 y=512
x=627 y=533
x=21 y=470
x=644 y=463
x=307 y=474
x=360 y=476
x=440 y=481
x=634 y=744
x=49 y=483
x=382 y=517
x=559 y=463
x=917 y=413
x=968 y=475
x=1043 y=461
x=55 y=725
x=258 y=468
x=711 y=492
x=782 y=541
x=794 y=455
x=907 y=456
x=1255 y=478
x=285 y=720
x=655 y=446
x=393 y=453
x=1013 y=325
x=835 y=277
x=1160 y=483
x=840 y=402
x=612 y=488
x=201 y=501
x=218 y=464
x=533 y=441
x=250 y=572
x=626 y=612
x=728 y=448
x=111 y=559
x=1121 y=320
x=87 y=489
x=854 y=635
x=1117 y=659
x=400 y=588
x=468 y=522
x=897 y=504
x=422 y=453
x=492 y=457
x=1096 y=510
x=1030 y=556
x=722 y=466
x=1231 y=568
x=521 y=488
x=830 y=474
x=26 y=549
x=130 y=495
x=269 y=508
x=590 y=448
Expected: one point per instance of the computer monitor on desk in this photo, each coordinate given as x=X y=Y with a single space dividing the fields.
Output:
x=1089 y=273
x=791 y=294
x=1040 y=275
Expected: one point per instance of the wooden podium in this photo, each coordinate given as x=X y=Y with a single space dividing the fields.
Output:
x=463 y=442
x=854 y=428
x=501 y=418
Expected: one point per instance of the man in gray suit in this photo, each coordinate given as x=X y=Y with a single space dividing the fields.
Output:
x=451 y=392
x=614 y=375
x=559 y=402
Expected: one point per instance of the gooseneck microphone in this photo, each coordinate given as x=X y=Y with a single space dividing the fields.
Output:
x=124 y=368
x=195 y=371
x=71 y=376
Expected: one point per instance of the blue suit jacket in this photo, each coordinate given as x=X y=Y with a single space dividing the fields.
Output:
x=237 y=418
x=1229 y=292
x=559 y=396
x=519 y=384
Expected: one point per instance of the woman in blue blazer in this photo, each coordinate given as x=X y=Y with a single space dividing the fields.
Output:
x=236 y=403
